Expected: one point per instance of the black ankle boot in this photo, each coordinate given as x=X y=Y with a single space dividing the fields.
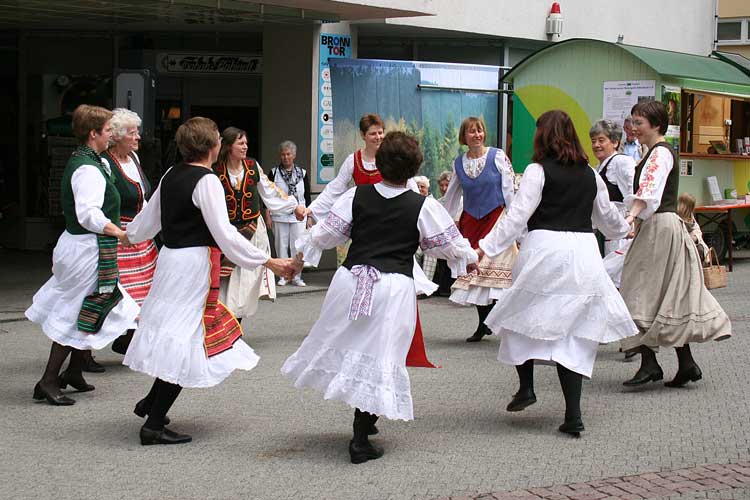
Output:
x=650 y=371
x=689 y=374
x=574 y=427
x=360 y=448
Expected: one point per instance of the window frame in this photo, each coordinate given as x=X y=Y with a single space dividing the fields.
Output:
x=744 y=35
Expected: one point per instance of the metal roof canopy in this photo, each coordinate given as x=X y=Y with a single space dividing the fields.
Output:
x=664 y=62
x=194 y=15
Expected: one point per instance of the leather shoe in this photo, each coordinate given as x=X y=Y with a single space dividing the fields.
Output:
x=142 y=411
x=76 y=382
x=372 y=430
x=521 y=399
x=53 y=399
x=481 y=331
x=362 y=453
x=164 y=436
x=692 y=374
x=643 y=376
x=90 y=365
x=121 y=344
x=572 y=427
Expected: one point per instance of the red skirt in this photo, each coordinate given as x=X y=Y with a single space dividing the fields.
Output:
x=475 y=229
x=137 y=265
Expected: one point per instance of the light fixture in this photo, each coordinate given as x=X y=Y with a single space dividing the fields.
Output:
x=554 y=20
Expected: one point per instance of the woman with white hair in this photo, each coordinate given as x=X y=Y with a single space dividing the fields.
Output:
x=137 y=263
x=293 y=180
x=617 y=171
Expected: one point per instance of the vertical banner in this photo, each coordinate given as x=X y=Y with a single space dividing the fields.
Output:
x=670 y=97
x=332 y=46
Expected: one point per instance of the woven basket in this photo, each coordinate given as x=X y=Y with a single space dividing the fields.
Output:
x=714 y=275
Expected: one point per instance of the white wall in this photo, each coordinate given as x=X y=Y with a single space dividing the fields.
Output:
x=679 y=25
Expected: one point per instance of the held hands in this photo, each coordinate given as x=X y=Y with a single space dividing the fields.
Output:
x=300 y=212
x=298 y=262
x=284 y=268
x=472 y=268
x=122 y=238
x=480 y=254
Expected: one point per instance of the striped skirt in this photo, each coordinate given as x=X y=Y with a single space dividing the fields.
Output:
x=137 y=265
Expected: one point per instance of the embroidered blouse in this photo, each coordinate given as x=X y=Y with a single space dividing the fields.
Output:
x=652 y=181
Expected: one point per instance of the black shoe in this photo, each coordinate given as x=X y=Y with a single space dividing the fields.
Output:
x=164 y=436
x=53 y=399
x=692 y=374
x=521 y=399
x=372 y=430
x=91 y=366
x=121 y=343
x=481 y=331
x=76 y=382
x=644 y=376
x=141 y=410
x=573 y=427
x=362 y=453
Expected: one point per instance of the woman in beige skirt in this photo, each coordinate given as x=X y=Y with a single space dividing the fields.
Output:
x=662 y=278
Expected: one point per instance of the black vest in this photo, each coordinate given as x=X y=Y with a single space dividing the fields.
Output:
x=614 y=192
x=182 y=223
x=669 y=197
x=384 y=231
x=567 y=198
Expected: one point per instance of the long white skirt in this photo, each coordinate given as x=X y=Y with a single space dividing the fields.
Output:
x=74 y=276
x=561 y=305
x=244 y=288
x=168 y=343
x=363 y=362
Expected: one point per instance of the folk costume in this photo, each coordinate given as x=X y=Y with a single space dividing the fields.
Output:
x=137 y=263
x=617 y=172
x=286 y=228
x=84 y=305
x=242 y=288
x=485 y=186
x=662 y=280
x=186 y=337
x=561 y=304
x=357 y=350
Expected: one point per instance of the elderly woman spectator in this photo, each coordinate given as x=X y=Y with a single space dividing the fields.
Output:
x=136 y=263
x=617 y=171
x=82 y=306
x=293 y=180
x=423 y=183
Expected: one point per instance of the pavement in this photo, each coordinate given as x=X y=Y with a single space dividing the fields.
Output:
x=256 y=437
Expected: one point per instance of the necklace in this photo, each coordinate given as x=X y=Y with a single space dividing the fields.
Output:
x=472 y=155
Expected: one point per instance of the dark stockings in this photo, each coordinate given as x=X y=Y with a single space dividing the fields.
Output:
x=57 y=355
x=483 y=312
x=684 y=358
x=526 y=376
x=571 y=383
x=164 y=397
x=648 y=360
x=363 y=422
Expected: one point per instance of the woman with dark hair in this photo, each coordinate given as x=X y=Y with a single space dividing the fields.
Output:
x=83 y=306
x=186 y=337
x=562 y=304
x=356 y=352
x=245 y=186
x=662 y=278
x=485 y=178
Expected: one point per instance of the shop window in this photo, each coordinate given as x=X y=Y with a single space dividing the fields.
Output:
x=714 y=123
x=732 y=31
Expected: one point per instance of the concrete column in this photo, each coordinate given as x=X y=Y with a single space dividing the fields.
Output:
x=289 y=92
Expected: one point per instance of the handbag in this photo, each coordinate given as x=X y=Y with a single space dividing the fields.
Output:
x=714 y=275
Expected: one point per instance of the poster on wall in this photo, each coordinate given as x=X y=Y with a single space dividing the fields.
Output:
x=621 y=96
x=434 y=115
x=670 y=97
x=332 y=46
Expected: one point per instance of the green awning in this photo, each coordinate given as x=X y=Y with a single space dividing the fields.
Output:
x=664 y=62
x=679 y=65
